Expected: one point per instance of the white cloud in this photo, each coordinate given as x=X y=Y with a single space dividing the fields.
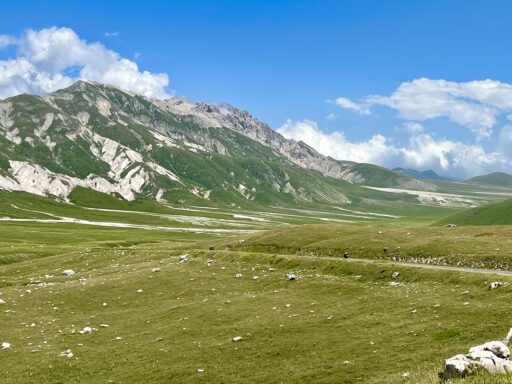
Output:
x=411 y=127
x=53 y=58
x=474 y=104
x=331 y=117
x=375 y=150
x=6 y=40
x=423 y=151
x=343 y=102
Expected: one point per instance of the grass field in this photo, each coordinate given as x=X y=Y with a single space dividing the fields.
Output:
x=339 y=322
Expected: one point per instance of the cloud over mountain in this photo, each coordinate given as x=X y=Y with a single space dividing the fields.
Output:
x=52 y=58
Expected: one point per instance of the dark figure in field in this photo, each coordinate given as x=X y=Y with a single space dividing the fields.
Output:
x=345 y=255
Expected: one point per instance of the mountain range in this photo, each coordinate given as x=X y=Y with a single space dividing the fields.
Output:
x=99 y=137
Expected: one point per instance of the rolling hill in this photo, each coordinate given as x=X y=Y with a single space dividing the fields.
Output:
x=491 y=214
x=498 y=179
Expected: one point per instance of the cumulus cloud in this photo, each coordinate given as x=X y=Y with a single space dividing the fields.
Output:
x=423 y=151
x=474 y=104
x=331 y=117
x=53 y=58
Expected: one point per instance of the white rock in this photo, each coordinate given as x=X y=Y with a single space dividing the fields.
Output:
x=68 y=272
x=395 y=275
x=200 y=370
x=183 y=258
x=291 y=276
x=495 y=284
x=66 y=353
x=104 y=325
x=490 y=362
x=2 y=301
x=498 y=348
x=238 y=338
x=155 y=269
x=139 y=290
x=238 y=275
x=210 y=262
x=456 y=366
x=85 y=330
x=6 y=345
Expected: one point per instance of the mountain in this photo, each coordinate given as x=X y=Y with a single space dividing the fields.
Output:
x=102 y=138
x=98 y=137
x=498 y=179
x=425 y=175
x=298 y=152
x=491 y=214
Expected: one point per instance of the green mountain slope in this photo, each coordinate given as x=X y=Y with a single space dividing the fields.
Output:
x=491 y=214
x=105 y=139
x=499 y=179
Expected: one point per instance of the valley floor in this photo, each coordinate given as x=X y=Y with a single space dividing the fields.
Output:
x=339 y=322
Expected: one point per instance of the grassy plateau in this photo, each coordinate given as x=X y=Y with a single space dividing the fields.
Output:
x=339 y=322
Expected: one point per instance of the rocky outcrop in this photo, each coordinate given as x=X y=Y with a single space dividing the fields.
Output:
x=492 y=357
x=298 y=152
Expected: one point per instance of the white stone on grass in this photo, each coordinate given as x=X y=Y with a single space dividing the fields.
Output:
x=85 y=330
x=67 y=353
x=155 y=269
x=395 y=275
x=6 y=345
x=495 y=284
x=238 y=338
x=68 y=272
x=291 y=276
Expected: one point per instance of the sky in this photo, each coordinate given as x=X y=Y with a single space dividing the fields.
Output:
x=413 y=84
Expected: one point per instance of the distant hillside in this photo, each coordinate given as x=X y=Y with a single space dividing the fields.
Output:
x=490 y=214
x=499 y=179
x=426 y=175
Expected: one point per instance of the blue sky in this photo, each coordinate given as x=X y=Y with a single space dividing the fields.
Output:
x=287 y=62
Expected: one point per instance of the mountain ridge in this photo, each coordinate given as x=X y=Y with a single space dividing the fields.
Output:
x=113 y=141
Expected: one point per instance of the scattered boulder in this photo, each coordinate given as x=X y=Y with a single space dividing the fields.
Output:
x=183 y=258
x=210 y=262
x=238 y=338
x=6 y=345
x=495 y=284
x=2 y=301
x=291 y=276
x=456 y=366
x=156 y=269
x=492 y=356
x=395 y=275
x=238 y=276
x=498 y=348
x=451 y=225
x=85 y=330
x=212 y=248
x=68 y=353
x=68 y=272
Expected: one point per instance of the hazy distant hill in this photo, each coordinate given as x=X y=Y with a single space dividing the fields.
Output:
x=499 y=179
x=427 y=175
